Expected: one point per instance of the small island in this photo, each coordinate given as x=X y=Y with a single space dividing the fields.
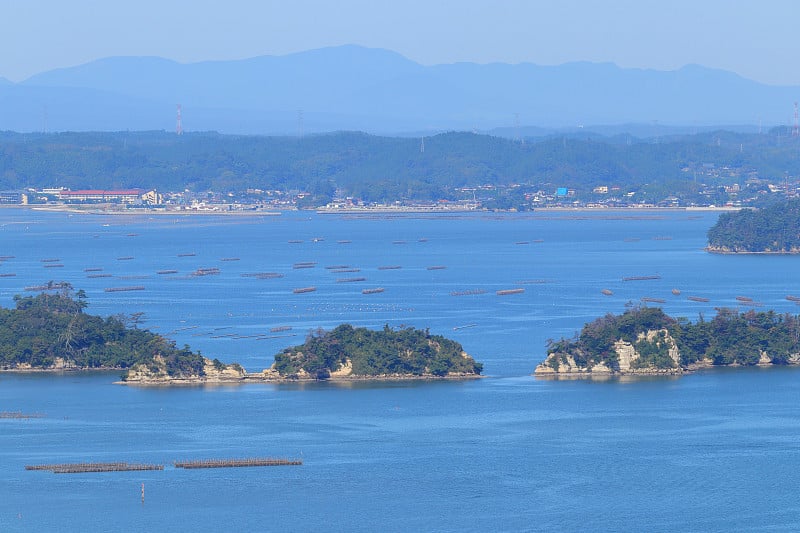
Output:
x=352 y=352
x=345 y=353
x=774 y=229
x=645 y=341
x=51 y=332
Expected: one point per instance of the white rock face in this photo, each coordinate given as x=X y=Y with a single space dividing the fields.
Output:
x=229 y=373
x=568 y=367
x=345 y=370
x=157 y=373
x=141 y=373
x=626 y=353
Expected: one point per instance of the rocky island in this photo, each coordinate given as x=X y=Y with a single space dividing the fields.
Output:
x=347 y=351
x=774 y=229
x=645 y=341
x=342 y=354
x=51 y=332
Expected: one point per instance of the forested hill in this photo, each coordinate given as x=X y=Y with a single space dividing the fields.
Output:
x=645 y=340
x=360 y=352
x=773 y=229
x=51 y=330
x=377 y=168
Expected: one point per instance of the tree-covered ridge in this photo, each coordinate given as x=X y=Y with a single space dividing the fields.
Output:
x=774 y=229
x=51 y=330
x=731 y=337
x=381 y=169
x=405 y=351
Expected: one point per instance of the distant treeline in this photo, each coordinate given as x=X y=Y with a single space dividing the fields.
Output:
x=377 y=168
x=773 y=229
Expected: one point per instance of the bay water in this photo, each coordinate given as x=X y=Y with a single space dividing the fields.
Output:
x=712 y=451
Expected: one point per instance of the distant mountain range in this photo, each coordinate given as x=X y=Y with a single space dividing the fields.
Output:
x=379 y=91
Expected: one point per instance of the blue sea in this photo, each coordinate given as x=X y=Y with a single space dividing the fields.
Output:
x=712 y=451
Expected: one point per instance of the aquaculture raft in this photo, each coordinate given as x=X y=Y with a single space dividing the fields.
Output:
x=263 y=275
x=80 y=468
x=236 y=463
x=303 y=290
x=19 y=415
x=506 y=292
x=206 y=272
x=376 y=290
x=468 y=292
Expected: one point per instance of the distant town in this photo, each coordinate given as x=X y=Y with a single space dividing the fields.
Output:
x=342 y=171
x=516 y=197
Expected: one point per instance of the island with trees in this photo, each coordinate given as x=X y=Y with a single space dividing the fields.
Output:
x=51 y=331
x=774 y=229
x=646 y=341
x=347 y=351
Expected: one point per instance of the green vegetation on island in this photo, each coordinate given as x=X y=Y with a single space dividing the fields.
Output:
x=645 y=341
x=51 y=331
x=772 y=229
x=360 y=352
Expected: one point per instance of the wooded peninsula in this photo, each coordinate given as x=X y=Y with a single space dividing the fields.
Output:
x=774 y=229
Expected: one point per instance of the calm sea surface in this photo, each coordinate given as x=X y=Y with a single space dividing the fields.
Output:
x=714 y=451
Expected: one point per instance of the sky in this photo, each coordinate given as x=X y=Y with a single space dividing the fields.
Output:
x=757 y=39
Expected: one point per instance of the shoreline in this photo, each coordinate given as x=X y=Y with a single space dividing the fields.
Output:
x=104 y=370
x=590 y=209
x=720 y=251
x=98 y=209
x=645 y=373
x=258 y=379
x=345 y=380
x=109 y=209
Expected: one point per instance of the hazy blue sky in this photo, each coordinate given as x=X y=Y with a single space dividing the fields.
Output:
x=755 y=38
